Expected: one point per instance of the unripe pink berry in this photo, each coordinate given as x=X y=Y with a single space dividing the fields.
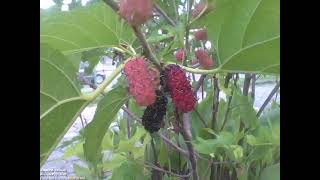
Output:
x=136 y=12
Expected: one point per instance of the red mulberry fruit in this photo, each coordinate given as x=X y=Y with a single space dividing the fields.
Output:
x=153 y=115
x=204 y=59
x=141 y=81
x=180 y=55
x=198 y=9
x=201 y=35
x=136 y=12
x=179 y=88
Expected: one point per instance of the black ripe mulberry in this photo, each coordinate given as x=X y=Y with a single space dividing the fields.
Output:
x=153 y=115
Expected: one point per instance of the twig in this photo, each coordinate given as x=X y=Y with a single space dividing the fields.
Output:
x=165 y=171
x=229 y=103
x=164 y=14
x=146 y=47
x=168 y=141
x=163 y=137
x=81 y=120
x=227 y=112
x=205 y=172
x=274 y=90
x=154 y=150
x=139 y=35
x=131 y=114
x=201 y=118
x=112 y=4
x=187 y=45
x=215 y=105
x=199 y=83
x=227 y=80
x=246 y=84
x=176 y=10
x=253 y=87
x=128 y=122
x=186 y=134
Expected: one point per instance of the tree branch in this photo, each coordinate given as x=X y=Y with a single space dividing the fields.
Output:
x=163 y=137
x=253 y=87
x=165 y=171
x=186 y=134
x=229 y=104
x=164 y=14
x=112 y=4
x=168 y=141
x=215 y=105
x=273 y=92
x=199 y=83
x=201 y=118
x=128 y=122
x=187 y=45
x=246 y=84
x=146 y=47
x=139 y=35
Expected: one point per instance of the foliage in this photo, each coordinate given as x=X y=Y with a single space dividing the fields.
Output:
x=228 y=137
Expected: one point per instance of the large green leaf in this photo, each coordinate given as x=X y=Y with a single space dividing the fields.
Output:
x=246 y=34
x=84 y=28
x=59 y=107
x=107 y=108
x=271 y=173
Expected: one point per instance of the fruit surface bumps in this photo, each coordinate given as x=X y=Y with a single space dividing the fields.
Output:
x=136 y=12
x=179 y=88
x=141 y=80
x=153 y=115
x=204 y=59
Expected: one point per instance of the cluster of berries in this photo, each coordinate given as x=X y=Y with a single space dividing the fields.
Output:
x=144 y=85
x=202 y=56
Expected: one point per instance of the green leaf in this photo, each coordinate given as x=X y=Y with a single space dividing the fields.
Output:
x=247 y=112
x=82 y=172
x=129 y=170
x=133 y=145
x=60 y=98
x=222 y=107
x=84 y=28
x=115 y=162
x=271 y=173
x=107 y=108
x=210 y=145
x=74 y=150
x=135 y=109
x=262 y=57
x=158 y=38
x=235 y=153
x=163 y=154
x=205 y=110
x=246 y=34
x=107 y=142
